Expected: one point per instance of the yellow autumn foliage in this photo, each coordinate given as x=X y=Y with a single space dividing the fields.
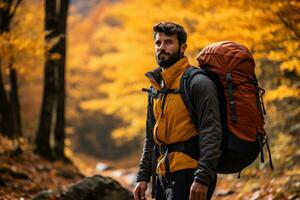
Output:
x=122 y=46
x=25 y=41
x=282 y=92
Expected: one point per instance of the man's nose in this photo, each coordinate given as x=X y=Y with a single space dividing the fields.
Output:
x=162 y=46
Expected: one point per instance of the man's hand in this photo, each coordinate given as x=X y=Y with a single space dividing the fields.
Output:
x=198 y=191
x=139 y=191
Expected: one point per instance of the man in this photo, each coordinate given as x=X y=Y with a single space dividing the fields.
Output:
x=186 y=173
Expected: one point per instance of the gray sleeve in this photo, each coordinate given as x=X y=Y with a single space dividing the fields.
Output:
x=145 y=166
x=204 y=98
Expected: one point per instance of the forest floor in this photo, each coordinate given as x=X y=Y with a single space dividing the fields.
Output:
x=23 y=174
x=254 y=184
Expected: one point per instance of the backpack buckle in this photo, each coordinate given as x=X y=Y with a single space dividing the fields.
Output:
x=228 y=77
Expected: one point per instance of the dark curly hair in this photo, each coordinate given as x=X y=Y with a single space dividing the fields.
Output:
x=170 y=28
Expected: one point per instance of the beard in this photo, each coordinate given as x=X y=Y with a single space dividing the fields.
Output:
x=166 y=60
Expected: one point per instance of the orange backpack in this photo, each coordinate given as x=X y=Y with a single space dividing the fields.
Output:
x=230 y=66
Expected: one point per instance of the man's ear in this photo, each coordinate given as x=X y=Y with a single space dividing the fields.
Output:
x=183 y=47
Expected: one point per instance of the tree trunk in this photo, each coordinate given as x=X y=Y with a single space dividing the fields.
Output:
x=5 y=120
x=15 y=103
x=10 y=120
x=43 y=134
x=6 y=123
x=60 y=112
x=4 y=17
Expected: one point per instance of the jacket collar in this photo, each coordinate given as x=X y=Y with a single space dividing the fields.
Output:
x=168 y=75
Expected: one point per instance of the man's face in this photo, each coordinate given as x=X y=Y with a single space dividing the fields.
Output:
x=167 y=49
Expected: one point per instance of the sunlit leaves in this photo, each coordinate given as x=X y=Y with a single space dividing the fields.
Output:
x=122 y=45
x=282 y=92
x=25 y=41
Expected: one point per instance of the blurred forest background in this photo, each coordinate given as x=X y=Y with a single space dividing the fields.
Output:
x=110 y=47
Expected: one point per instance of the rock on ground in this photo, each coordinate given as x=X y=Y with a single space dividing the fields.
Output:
x=91 y=188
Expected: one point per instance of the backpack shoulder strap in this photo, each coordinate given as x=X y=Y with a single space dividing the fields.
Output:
x=185 y=82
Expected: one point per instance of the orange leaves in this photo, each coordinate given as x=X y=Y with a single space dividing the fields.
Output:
x=11 y=44
x=55 y=56
x=121 y=45
x=25 y=41
x=282 y=92
x=26 y=174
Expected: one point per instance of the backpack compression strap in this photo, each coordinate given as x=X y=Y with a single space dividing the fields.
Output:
x=185 y=82
x=232 y=103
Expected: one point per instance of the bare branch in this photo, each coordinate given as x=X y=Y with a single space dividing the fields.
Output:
x=289 y=25
x=14 y=10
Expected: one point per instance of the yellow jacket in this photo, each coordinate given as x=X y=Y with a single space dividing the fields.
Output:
x=172 y=120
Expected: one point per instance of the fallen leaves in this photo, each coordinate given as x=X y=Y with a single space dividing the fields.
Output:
x=25 y=174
